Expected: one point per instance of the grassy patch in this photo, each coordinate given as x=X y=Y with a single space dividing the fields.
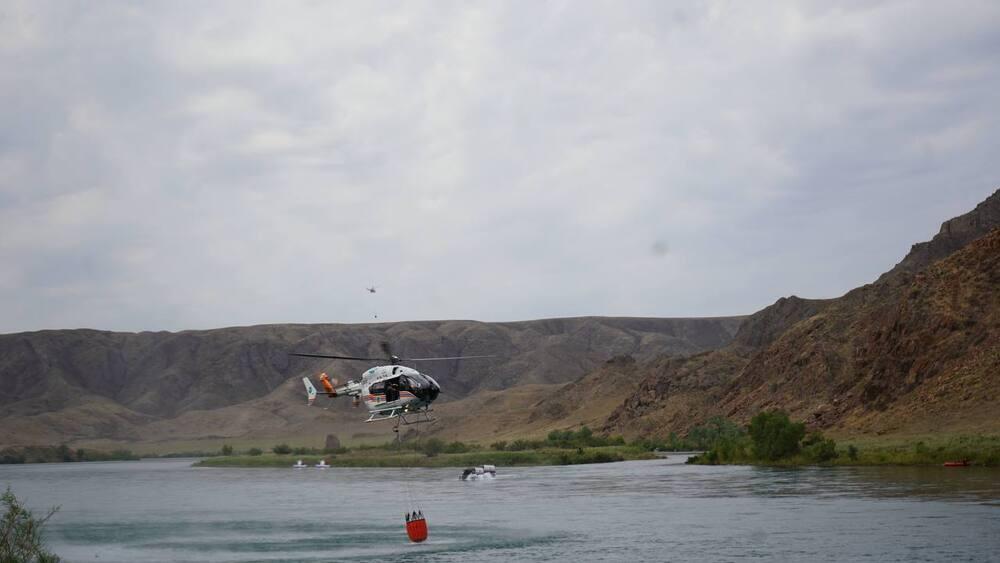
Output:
x=373 y=457
x=774 y=439
x=978 y=450
x=56 y=454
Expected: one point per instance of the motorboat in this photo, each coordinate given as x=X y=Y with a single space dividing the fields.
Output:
x=479 y=473
x=299 y=464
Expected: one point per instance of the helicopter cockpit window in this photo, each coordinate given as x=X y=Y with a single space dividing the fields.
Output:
x=377 y=388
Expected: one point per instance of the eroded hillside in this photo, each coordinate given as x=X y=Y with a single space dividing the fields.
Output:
x=916 y=351
x=65 y=385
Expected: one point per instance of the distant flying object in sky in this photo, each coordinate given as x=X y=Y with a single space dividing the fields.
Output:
x=370 y=289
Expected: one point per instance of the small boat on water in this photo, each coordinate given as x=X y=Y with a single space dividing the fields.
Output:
x=322 y=464
x=299 y=464
x=961 y=463
x=479 y=473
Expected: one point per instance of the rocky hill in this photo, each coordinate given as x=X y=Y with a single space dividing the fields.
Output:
x=915 y=351
x=920 y=351
x=71 y=385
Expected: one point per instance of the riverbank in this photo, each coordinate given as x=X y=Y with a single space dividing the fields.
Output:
x=929 y=450
x=406 y=458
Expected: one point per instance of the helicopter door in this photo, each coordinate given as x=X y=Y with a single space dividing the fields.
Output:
x=392 y=390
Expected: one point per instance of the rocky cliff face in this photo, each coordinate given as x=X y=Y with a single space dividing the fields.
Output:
x=954 y=234
x=915 y=350
x=104 y=384
x=766 y=325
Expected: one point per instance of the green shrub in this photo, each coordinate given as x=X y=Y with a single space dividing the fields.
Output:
x=499 y=446
x=21 y=533
x=282 y=449
x=852 y=452
x=255 y=451
x=566 y=458
x=775 y=436
x=583 y=437
x=704 y=437
x=819 y=449
x=11 y=456
x=731 y=449
x=456 y=448
x=432 y=447
x=227 y=450
x=521 y=445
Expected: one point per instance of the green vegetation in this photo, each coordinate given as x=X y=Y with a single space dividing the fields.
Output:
x=63 y=453
x=821 y=449
x=774 y=439
x=703 y=437
x=771 y=439
x=21 y=533
x=435 y=453
x=774 y=436
x=932 y=450
x=374 y=457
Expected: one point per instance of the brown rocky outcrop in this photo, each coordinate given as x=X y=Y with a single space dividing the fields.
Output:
x=953 y=235
x=917 y=349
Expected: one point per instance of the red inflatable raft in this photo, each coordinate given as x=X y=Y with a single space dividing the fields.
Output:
x=963 y=463
x=416 y=529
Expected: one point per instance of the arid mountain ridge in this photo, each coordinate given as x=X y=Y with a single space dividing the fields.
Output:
x=71 y=385
x=916 y=351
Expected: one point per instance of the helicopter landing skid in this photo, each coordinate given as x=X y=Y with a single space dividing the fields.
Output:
x=403 y=417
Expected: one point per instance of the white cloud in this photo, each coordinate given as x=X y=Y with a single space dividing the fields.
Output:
x=181 y=166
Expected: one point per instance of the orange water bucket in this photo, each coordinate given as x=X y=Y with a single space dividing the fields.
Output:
x=417 y=530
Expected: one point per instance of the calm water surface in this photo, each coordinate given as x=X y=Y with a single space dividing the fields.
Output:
x=166 y=510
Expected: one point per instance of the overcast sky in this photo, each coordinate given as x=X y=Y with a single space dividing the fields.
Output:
x=195 y=165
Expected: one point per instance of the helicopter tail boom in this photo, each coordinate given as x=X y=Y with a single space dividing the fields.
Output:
x=330 y=388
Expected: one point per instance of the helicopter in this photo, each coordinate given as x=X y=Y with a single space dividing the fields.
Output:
x=370 y=289
x=389 y=391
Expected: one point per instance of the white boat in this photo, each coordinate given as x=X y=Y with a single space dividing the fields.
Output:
x=322 y=464
x=479 y=473
x=299 y=464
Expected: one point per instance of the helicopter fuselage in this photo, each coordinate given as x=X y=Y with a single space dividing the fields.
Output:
x=385 y=388
x=387 y=391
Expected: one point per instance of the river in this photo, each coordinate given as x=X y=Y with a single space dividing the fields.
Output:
x=660 y=510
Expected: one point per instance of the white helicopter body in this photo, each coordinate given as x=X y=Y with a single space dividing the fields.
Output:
x=387 y=391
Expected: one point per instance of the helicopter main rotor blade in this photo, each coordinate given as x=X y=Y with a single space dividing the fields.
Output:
x=443 y=358
x=336 y=357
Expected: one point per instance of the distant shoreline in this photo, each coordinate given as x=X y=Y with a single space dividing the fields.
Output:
x=383 y=458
